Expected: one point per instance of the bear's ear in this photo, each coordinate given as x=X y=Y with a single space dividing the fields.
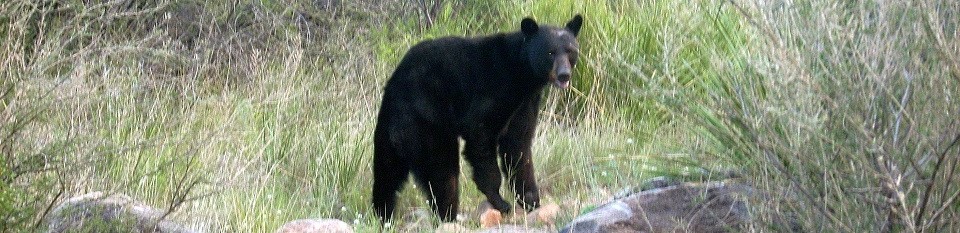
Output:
x=529 y=27
x=574 y=24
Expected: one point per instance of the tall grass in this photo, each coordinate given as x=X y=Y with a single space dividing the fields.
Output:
x=192 y=114
x=240 y=116
x=843 y=115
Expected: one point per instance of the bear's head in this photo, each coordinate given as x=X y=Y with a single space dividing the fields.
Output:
x=552 y=52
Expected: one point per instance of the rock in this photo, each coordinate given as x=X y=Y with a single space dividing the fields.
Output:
x=450 y=228
x=709 y=207
x=490 y=218
x=316 y=226
x=649 y=184
x=416 y=220
x=659 y=182
x=99 y=212
x=512 y=229
x=545 y=215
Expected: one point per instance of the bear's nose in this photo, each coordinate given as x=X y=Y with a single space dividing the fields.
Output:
x=563 y=75
x=561 y=68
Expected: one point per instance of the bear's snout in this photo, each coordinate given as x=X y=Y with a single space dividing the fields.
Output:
x=561 y=72
x=563 y=76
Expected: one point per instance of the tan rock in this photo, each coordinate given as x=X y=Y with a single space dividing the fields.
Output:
x=416 y=220
x=513 y=229
x=490 y=218
x=451 y=228
x=315 y=226
x=546 y=214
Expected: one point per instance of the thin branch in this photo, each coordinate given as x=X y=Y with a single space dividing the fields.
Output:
x=60 y=191
x=946 y=204
x=933 y=178
x=950 y=175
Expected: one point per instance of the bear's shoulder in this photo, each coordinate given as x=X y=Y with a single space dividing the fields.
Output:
x=454 y=42
x=443 y=43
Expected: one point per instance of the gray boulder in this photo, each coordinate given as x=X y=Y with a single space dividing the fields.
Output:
x=99 y=212
x=707 y=207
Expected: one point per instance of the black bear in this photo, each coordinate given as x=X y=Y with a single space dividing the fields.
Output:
x=484 y=90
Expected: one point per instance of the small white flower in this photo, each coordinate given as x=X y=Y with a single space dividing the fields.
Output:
x=343 y=209
x=356 y=221
x=604 y=173
x=387 y=225
x=629 y=140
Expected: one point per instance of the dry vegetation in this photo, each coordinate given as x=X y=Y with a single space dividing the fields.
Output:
x=239 y=116
x=846 y=113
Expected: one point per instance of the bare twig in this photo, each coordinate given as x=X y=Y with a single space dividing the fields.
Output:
x=61 y=189
x=425 y=12
x=936 y=169
x=953 y=198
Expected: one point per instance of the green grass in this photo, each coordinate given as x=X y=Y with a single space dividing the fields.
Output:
x=247 y=142
x=266 y=116
x=843 y=116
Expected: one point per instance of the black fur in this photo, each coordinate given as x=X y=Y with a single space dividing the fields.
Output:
x=485 y=90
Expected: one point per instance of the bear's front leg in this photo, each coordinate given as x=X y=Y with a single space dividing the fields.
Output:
x=516 y=154
x=518 y=166
x=480 y=153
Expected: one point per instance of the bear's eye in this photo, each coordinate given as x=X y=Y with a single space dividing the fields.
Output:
x=550 y=54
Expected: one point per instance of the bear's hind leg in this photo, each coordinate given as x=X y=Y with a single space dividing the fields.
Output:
x=389 y=174
x=388 y=179
x=436 y=170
